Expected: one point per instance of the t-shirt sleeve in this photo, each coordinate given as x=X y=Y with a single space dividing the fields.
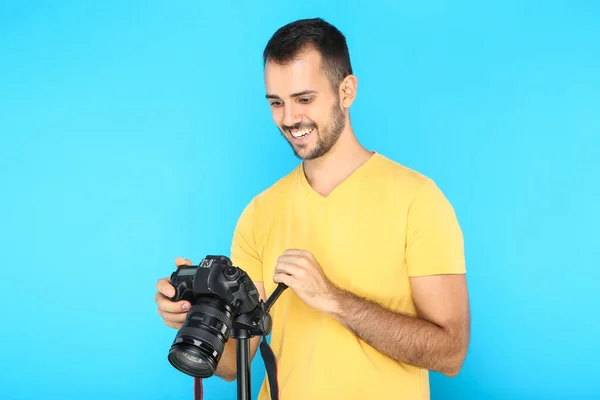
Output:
x=434 y=239
x=244 y=251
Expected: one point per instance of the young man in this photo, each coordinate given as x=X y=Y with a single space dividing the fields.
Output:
x=371 y=251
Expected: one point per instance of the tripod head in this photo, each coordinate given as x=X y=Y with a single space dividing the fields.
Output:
x=258 y=322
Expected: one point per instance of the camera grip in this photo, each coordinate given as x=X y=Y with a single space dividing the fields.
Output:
x=183 y=291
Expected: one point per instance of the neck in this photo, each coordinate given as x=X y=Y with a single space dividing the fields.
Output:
x=345 y=157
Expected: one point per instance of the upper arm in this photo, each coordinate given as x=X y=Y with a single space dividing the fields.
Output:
x=246 y=256
x=434 y=240
x=245 y=253
x=435 y=262
x=444 y=301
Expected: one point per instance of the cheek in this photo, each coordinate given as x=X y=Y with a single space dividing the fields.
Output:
x=319 y=119
x=319 y=114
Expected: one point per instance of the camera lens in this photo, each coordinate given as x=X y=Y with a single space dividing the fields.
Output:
x=199 y=343
x=191 y=361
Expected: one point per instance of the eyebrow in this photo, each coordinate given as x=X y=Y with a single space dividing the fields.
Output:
x=298 y=94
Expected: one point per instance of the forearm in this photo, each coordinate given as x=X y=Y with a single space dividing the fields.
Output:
x=401 y=337
x=227 y=367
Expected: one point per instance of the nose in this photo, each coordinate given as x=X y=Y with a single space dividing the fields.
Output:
x=289 y=115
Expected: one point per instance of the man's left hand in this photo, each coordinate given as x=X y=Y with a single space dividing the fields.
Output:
x=300 y=271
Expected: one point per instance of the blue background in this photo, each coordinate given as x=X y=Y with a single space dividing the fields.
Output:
x=135 y=132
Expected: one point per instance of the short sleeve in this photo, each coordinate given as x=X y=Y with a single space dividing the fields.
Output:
x=244 y=252
x=434 y=239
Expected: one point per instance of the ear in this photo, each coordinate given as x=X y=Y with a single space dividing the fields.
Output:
x=347 y=91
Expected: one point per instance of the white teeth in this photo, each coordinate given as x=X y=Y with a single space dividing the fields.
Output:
x=302 y=133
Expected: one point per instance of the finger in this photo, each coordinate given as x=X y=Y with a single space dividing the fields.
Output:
x=296 y=252
x=164 y=304
x=289 y=258
x=288 y=268
x=301 y=262
x=174 y=325
x=164 y=287
x=179 y=262
x=178 y=318
x=287 y=280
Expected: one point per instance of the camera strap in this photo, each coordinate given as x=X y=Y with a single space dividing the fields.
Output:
x=270 y=365
x=198 y=390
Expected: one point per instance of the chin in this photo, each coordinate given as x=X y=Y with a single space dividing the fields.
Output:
x=307 y=155
x=303 y=155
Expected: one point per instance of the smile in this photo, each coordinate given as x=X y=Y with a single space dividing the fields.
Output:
x=299 y=134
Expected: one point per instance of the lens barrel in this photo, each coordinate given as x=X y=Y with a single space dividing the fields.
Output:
x=199 y=343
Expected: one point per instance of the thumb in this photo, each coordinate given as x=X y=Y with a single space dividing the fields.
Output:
x=180 y=262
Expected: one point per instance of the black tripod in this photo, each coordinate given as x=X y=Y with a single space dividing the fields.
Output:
x=244 y=384
x=257 y=323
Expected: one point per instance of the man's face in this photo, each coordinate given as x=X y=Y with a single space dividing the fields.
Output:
x=304 y=106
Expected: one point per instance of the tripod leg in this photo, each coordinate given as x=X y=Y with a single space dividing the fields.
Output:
x=243 y=369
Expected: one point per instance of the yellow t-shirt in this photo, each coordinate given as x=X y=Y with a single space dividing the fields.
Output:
x=382 y=225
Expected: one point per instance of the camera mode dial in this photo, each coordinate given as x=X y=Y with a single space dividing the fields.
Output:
x=231 y=273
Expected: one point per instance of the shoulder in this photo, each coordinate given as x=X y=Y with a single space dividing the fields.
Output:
x=399 y=177
x=265 y=202
x=271 y=195
x=412 y=193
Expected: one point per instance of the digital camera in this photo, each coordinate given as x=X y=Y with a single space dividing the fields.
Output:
x=223 y=300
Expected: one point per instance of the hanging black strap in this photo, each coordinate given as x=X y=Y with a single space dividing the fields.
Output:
x=271 y=367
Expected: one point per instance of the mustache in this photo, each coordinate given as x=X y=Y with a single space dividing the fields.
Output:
x=298 y=126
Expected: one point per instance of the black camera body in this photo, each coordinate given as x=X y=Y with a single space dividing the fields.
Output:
x=224 y=303
x=216 y=277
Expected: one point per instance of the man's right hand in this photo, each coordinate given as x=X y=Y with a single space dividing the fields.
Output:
x=174 y=314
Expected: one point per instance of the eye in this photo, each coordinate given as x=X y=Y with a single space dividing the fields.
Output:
x=305 y=100
x=275 y=103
